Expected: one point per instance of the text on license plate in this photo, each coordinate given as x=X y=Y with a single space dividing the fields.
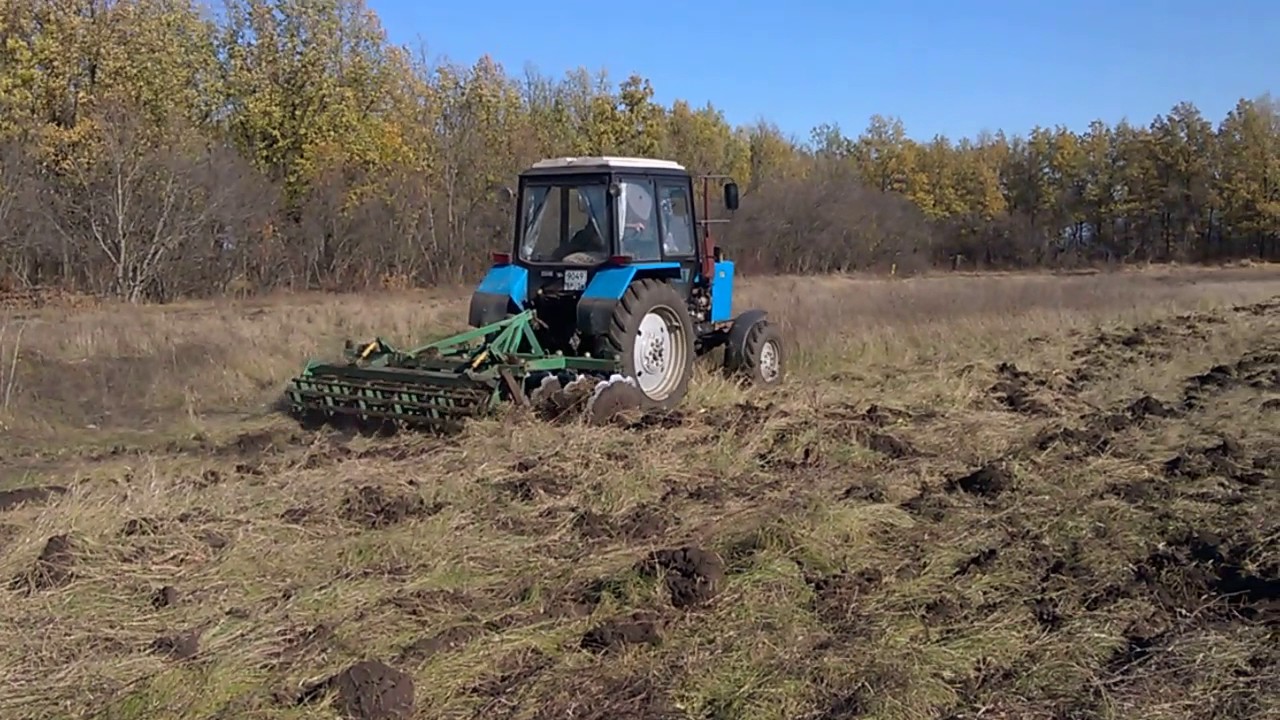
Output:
x=575 y=279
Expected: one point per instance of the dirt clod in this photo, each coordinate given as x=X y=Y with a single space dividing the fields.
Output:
x=883 y=416
x=987 y=481
x=693 y=575
x=533 y=487
x=593 y=525
x=11 y=499
x=1193 y=565
x=1016 y=389
x=838 y=599
x=164 y=597
x=51 y=570
x=180 y=646
x=978 y=561
x=645 y=521
x=134 y=527
x=890 y=445
x=450 y=638
x=868 y=491
x=1147 y=406
x=376 y=507
x=372 y=690
x=637 y=629
x=927 y=504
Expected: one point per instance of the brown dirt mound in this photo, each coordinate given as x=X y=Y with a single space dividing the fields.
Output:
x=634 y=697
x=1195 y=565
x=450 y=638
x=1227 y=458
x=368 y=690
x=1258 y=369
x=535 y=480
x=693 y=576
x=179 y=646
x=927 y=504
x=11 y=499
x=1149 y=407
x=988 y=481
x=641 y=522
x=637 y=629
x=510 y=672
x=1018 y=390
x=884 y=416
x=376 y=507
x=889 y=445
x=1094 y=436
x=141 y=527
x=166 y=596
x=53 y=569
x=838 y=599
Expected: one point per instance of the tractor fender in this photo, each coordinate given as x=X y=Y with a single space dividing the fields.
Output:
x=503 y=288
x=736 y=343
x=606 y=288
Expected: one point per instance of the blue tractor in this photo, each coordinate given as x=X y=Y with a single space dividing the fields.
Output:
x=612 y=274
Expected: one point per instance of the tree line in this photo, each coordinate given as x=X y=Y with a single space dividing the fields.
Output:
x=153 y=149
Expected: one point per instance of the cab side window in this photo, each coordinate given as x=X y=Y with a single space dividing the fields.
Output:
x=677 y=220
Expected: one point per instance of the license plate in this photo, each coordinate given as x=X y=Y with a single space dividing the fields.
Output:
x=575 y=279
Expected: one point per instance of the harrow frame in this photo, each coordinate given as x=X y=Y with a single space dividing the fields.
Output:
x=439 y=384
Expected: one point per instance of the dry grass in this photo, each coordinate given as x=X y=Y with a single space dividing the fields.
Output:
x=1084 y=575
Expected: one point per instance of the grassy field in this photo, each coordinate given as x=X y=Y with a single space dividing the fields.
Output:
x=990 y=496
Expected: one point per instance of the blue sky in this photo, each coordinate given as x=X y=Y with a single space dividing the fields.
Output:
x=954 y=68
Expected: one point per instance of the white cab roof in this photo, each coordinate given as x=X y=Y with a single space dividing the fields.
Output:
x=605 y=162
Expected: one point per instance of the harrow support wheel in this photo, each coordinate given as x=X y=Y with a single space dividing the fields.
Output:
x=651 y=334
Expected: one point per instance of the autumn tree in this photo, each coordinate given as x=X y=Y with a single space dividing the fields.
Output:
x=151 y=149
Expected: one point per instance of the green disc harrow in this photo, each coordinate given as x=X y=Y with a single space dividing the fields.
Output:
x=438 y=385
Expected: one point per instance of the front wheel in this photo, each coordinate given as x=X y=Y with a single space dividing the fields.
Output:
x=761 y=357
x=651 y=333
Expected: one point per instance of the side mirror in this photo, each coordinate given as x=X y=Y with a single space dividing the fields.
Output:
x=507 y=193
x=731 y=195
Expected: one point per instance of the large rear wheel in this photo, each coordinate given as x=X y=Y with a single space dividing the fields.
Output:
x=651 y=333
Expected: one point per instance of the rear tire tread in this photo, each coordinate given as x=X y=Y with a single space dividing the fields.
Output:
x=637 y=297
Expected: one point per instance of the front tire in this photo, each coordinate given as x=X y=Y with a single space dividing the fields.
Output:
x=651 y=333
x=762 y=358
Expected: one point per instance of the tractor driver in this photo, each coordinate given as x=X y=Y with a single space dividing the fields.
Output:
x=587 y=239
x=639 y=232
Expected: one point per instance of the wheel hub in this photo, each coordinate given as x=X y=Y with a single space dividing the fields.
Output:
x=654 y=356
x=652 y=352
x=769 y=361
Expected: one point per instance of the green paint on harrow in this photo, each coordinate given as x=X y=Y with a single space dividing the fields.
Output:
x=438 y=385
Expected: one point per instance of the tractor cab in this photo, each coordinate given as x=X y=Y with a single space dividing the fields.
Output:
x=578 y=214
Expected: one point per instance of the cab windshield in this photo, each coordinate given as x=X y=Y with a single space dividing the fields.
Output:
x=565 y=222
